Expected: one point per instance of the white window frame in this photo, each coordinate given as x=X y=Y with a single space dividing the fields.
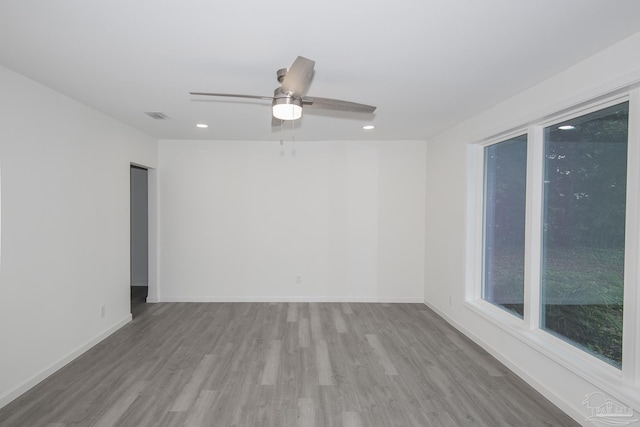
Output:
x=479 y=223
x=623 y=381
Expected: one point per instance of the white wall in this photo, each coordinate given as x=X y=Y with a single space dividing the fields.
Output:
x=64 y=228
x=446 y=219
x=241 y=221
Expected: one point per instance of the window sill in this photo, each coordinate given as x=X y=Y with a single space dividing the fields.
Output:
x=597 y=372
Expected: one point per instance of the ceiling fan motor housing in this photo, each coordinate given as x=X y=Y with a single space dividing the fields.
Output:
x=286 y=107
x=281 y=73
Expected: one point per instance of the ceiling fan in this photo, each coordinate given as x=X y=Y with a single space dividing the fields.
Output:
x=288 y=99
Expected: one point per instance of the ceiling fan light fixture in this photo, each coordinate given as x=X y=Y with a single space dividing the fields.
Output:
x=287 y=108
x=288 y=98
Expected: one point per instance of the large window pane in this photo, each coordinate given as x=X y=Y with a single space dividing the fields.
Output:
x=584 y=231
x=504 y=223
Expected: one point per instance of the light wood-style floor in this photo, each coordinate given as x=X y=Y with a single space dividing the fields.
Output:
x=284 y=364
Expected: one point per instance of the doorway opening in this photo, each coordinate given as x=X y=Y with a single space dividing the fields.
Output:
x=139 y=202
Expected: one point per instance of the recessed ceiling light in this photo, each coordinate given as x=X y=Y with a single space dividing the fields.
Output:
x=368 y=127
x=566 y=127
x=202 y=125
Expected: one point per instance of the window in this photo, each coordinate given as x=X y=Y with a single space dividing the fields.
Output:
x=505 y=166
x=554 y=216
x=582 y=276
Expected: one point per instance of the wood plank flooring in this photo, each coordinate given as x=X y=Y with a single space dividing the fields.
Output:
x=284 y=364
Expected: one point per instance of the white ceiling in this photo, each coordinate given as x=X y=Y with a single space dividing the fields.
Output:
x=426 y=64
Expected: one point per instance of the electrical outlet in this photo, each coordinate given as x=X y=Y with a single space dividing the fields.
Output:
x=103 y=310
x=298 y=280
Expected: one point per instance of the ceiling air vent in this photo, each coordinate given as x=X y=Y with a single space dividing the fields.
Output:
x=157 y=115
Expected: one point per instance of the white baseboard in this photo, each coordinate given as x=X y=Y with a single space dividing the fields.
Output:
x=39 y=377
x=548 y=393
x=405 y=300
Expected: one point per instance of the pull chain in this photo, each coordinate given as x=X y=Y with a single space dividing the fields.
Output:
x=293 y=137
x=281 y=138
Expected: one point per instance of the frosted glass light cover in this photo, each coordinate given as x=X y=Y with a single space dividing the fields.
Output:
x=287 y=111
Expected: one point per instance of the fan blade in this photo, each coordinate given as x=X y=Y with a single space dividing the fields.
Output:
x=232 y=95
x=336 y=104
x=298 y=77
